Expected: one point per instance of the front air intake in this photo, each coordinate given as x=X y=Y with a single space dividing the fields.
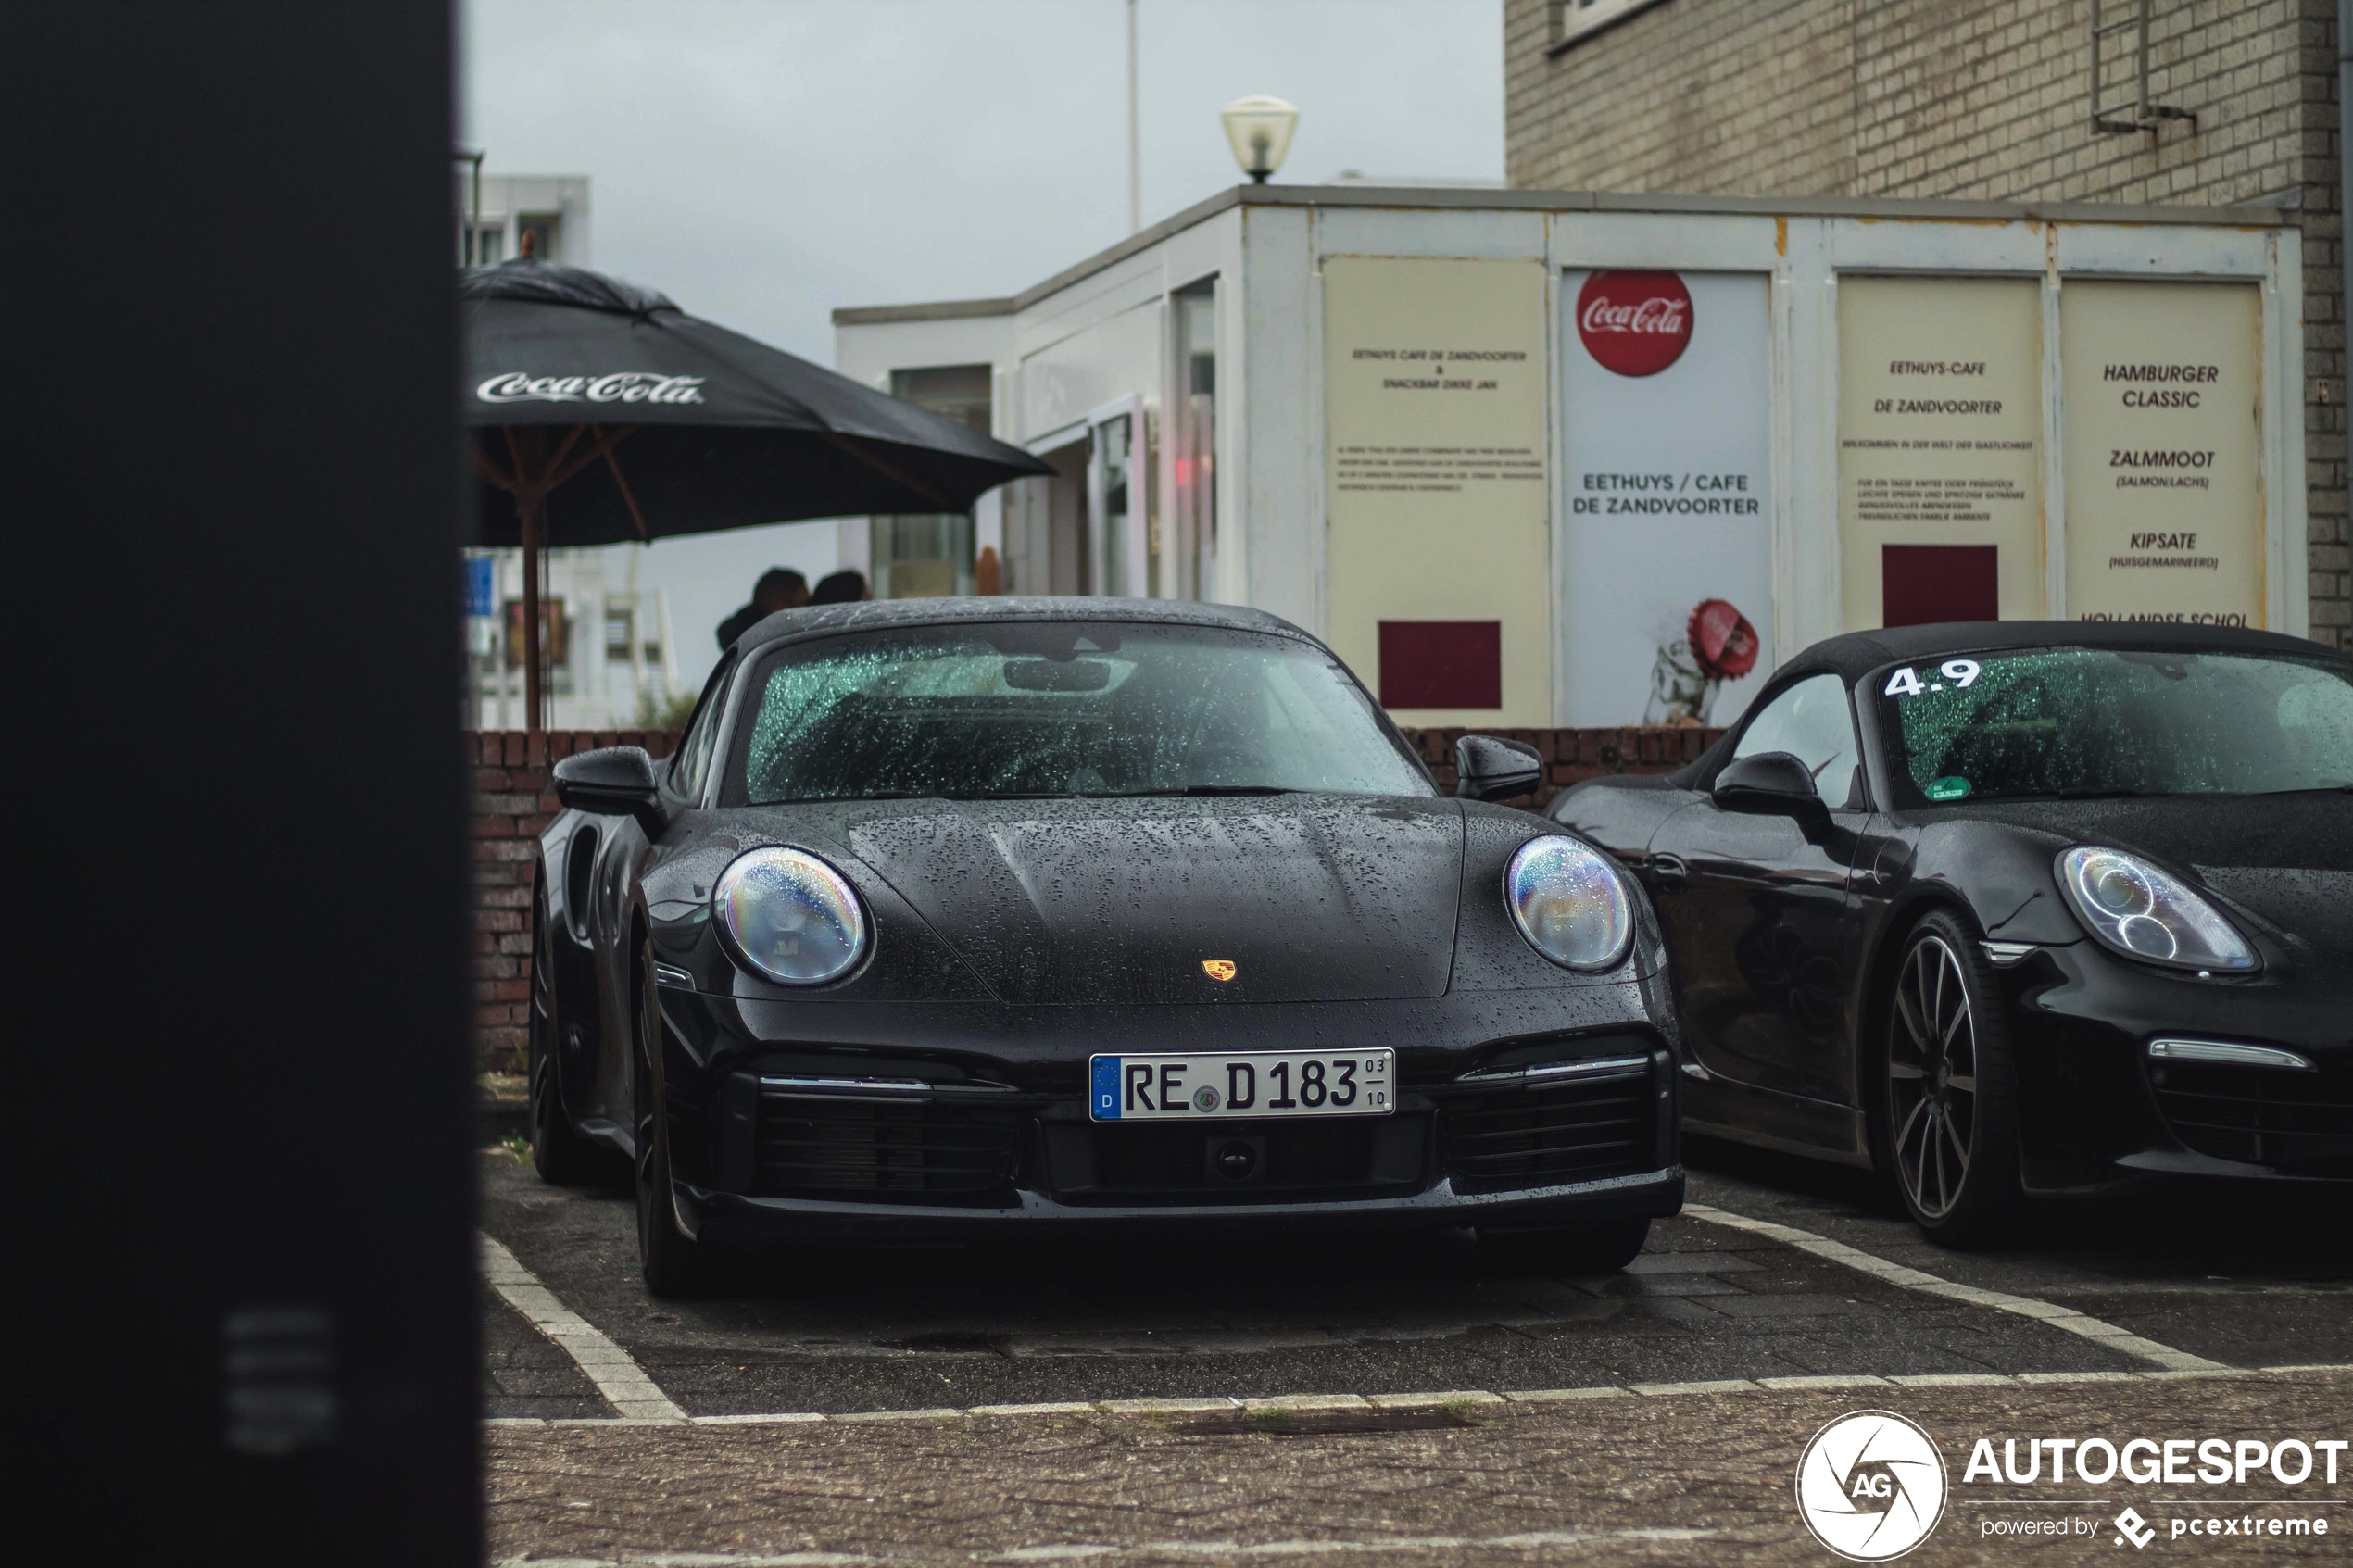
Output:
x=1543 y=1128
x=827 y=1145
x=2298 y=1123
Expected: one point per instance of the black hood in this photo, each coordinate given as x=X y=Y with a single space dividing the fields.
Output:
x=1312 y=897
x=2287 y=859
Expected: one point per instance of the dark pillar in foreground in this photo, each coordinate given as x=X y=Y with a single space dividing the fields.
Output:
x=240 y=1288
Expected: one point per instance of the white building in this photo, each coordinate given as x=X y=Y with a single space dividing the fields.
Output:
x=1512 y=452
x=495 y=214
x=612 y=660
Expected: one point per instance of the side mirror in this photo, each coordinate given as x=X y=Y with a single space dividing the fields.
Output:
x=1770 y=784
x=615 y=782
x=1490 y=768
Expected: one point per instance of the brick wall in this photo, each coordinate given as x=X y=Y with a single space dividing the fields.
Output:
x=1966 y=99
x=513 y=800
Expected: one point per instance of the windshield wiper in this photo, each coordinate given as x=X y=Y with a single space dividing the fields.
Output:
x=1032 y=794
x=1184 y=789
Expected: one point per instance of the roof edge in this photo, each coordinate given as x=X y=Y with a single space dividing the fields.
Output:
x=1893 y=209
x=935 y=310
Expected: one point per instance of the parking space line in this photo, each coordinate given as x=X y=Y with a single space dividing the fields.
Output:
x=1094 y=1551
x=619 y=1379
x=2119 y=1340
x=1462 y=1396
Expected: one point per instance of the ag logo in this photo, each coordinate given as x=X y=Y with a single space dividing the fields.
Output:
x=1219 y=970
x=1871 y=1486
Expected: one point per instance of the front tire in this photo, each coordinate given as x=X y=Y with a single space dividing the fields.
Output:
x=558 y=1152
x=1950 y=1088
x=1581 y=1251
x=672 y=1262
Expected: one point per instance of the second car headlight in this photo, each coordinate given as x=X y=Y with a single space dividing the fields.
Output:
x=2143 y=913
x=1570 y=903
x=789 y=916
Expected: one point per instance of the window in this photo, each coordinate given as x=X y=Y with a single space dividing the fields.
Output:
x=555 y=649
x=1021 y=709
x=702 y=729
x=1112 y=500
x=1192 y=571
x=1574 y=20
x=929 y=555
x=2084 y=722
x=1810 y=721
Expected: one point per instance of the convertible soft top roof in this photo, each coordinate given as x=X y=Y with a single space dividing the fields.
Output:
x=874 y=615
x=1858 y=653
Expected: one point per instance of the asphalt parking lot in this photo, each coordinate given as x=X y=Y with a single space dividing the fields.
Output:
x=2234 y=1280
x=1780 y=1276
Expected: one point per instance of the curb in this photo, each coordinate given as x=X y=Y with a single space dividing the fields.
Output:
x=1451 y=1399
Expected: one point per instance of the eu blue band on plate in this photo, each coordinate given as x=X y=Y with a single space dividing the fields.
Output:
x=1107 y=1088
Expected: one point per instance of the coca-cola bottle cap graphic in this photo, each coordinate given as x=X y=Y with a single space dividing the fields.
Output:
x=1634 y=323
x=1721 y=640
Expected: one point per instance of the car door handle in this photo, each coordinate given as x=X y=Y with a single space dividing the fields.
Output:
x=1668 y=868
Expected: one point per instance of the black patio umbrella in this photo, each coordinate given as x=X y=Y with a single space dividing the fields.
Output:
x=689 y=428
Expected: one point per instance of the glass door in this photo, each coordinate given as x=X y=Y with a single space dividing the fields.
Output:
x=1117 y=500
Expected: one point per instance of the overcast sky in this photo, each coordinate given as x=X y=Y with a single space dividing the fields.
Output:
x=764 y=161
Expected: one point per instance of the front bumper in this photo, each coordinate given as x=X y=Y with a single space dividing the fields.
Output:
x=923 y=1124
x=2099 y=1112
x=735 y=1217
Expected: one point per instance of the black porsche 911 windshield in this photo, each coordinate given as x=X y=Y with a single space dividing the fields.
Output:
x=1017 y=708
x=2093 y=721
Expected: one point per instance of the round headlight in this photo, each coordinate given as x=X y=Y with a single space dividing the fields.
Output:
x=2140 y=912
x=789 y=916
x=1570 y=903
x=2116 y=886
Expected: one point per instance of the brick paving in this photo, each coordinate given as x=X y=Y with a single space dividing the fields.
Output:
x=1194 y=1488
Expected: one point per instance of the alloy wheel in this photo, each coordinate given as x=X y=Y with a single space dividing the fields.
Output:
x=1932 y=1077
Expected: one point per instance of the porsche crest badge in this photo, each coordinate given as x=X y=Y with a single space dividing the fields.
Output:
x=1219 y=970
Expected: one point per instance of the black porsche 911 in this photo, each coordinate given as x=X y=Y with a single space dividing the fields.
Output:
x=952 y=918
x=2016 y=908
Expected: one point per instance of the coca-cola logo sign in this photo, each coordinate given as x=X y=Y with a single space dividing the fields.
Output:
x=1634 y=323
x=617 y=386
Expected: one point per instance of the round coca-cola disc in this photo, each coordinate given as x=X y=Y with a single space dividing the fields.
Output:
x=1721 y=640
x=1634 y=323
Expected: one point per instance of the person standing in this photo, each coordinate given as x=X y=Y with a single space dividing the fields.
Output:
x=779 y=588
x=841 y=587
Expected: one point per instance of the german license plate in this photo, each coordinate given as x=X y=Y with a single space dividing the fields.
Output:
x=1207 y=1087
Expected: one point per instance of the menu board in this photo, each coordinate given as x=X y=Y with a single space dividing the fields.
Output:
x=1666 y=447
x=1939 y=418
x=2164 y=464
x=1434 y=417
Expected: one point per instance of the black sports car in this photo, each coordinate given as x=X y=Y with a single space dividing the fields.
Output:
x=958 y=916
x=2017 y=908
